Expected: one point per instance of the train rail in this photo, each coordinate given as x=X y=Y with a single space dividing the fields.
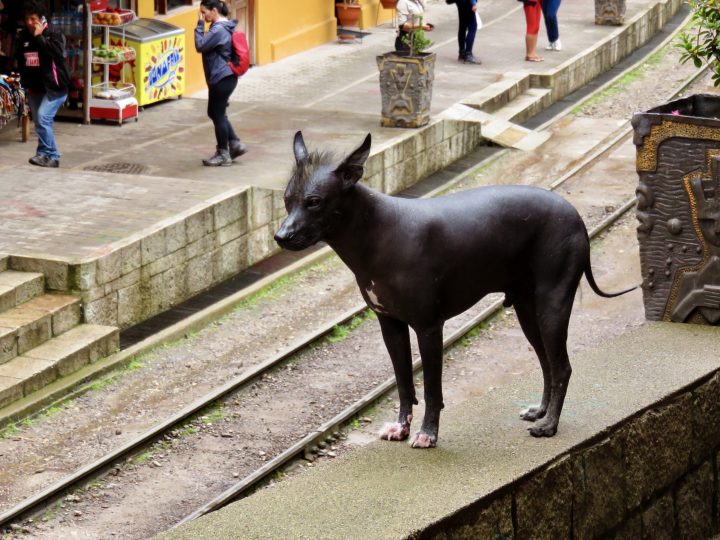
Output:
x=329 y=427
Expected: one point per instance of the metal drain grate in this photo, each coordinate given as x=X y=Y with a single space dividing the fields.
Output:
x=120 y=168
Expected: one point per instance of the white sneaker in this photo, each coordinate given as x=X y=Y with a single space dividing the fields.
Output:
x=557 y=46
x=550 y=47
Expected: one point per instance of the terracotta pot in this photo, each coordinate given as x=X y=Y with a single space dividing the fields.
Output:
x=388 y=4
x=348 y=15
x=406 y=88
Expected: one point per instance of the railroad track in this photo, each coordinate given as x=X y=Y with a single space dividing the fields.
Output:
x=329 y=427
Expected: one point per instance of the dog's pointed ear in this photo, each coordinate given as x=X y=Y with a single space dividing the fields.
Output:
x=301 y=152
x=351 y=169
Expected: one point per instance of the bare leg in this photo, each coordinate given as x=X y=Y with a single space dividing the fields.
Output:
x=431 y=351
x=397 y=341
x=531 y=48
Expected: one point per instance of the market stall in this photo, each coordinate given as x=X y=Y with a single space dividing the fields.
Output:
x=12 y=104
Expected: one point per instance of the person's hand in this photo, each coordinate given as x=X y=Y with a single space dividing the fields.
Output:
x=474 y=8
x=39 y=27
x=428 y=27
x=201 y=16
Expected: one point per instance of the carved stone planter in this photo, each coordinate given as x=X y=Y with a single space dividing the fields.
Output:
x=611 y=12
x=678 y=164
x=406 y=88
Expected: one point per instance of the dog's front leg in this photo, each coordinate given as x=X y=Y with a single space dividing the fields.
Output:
x=430 y=341
x=397 y=340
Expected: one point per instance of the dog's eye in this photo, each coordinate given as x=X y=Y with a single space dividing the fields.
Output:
x=313 y=202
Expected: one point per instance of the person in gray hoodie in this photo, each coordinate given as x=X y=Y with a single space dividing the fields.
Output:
x=215 y=45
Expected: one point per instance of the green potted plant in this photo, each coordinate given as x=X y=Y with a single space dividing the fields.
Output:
x=406 y=80
x=701 y=43
x=348 y=12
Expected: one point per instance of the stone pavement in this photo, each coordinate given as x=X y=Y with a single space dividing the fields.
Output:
x=71 y=222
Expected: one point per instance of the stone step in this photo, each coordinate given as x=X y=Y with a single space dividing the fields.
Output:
x=526 y=105
x=34 y=322
x=498 y=94
x=498 y=130
x=19 y=287
x=4 y=262
x=55 y=358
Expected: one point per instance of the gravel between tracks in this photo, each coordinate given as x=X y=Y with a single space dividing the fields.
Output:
x=206 y=456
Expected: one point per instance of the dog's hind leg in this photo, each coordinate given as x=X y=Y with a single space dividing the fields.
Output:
x=525 y=310
x=430 y=341
x=553 y=319
x=397 y=341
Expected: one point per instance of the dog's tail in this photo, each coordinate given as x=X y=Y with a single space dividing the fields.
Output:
x=598 y=291
x=594 y=286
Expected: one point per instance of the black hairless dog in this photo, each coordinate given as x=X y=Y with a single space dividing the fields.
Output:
x=420 y=262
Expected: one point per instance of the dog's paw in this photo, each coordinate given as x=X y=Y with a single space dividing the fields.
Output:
x=532 y=413
x=394 y=431
x=543 y=430
x=423 y=440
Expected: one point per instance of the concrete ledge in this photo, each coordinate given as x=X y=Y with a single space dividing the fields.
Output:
x=635 y=457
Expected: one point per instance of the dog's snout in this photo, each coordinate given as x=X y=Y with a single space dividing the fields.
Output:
x=284 y=235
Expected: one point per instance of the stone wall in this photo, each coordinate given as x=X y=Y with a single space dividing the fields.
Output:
x=654 y=476
x=169 y=263
x=162 y=266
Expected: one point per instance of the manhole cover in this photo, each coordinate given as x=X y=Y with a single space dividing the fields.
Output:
x=120 y=168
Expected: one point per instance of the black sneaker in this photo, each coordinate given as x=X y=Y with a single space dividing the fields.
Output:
x=44 y=161
x=220 y=159
x=470 y=59
x=461 y=56
x=237 y=149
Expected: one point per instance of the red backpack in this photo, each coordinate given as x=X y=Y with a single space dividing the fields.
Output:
x=240 y=56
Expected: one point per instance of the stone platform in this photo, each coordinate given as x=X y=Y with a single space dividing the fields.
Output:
x=635 y=457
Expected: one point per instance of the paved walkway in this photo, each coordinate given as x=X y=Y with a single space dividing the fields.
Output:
x=330 y=92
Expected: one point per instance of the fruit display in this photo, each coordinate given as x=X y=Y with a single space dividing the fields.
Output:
x=112 y=54
x=112 y=17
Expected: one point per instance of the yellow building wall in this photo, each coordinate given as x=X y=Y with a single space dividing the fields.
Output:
x=282 y=28
x=187 y=18
x=286 y=27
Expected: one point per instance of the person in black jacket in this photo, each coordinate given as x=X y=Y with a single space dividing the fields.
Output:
x=45 y=76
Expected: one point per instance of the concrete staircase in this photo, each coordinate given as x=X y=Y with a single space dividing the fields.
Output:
x=501 y=106
x=41 y=335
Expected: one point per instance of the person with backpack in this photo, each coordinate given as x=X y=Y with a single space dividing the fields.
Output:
x=216 y=47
